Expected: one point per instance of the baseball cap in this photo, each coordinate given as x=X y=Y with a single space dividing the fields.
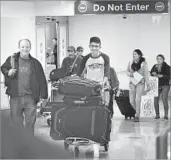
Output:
x=80 y=48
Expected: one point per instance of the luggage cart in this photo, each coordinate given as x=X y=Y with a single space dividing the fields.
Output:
x=77 y=142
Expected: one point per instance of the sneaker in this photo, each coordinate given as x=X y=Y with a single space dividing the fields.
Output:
x=157 y=117
x=136 y=119
x=165 y=118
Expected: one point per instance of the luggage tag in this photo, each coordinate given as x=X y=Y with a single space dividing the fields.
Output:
x=82 y=101
x=79 y=102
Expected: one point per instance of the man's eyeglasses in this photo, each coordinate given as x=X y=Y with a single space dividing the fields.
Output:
x=94 y=46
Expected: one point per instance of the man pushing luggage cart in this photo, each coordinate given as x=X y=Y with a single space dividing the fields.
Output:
x=96 y=66
x=83 y=117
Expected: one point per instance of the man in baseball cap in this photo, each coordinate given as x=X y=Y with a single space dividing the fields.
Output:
x=72 y=62
x=80 y=51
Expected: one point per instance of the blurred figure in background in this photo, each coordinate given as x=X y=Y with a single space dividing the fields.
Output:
x=161 y=70
x=54 y=52
x=18 y=143
x=26 y=85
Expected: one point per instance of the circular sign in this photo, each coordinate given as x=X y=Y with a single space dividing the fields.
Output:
x=82 y=8
x=159 y=6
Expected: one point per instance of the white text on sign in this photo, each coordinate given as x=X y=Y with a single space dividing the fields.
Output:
x=113 y=7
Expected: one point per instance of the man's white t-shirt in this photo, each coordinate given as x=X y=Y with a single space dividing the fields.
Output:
x=96 y=67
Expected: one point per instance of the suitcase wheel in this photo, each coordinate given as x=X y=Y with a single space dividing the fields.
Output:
x=76 y=152
x=66 y=145
x=106 y=147
x=49 y=121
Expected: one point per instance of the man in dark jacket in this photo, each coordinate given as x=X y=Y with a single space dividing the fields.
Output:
x=114 y=83
x=72 y=62
x=26 y=84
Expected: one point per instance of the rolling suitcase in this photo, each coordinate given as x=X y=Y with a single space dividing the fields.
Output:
x=122 y=100
x=93 y=123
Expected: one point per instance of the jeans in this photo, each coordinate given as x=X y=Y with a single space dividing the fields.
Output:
x=164 y=91
x=135 y=94
x=23 y=108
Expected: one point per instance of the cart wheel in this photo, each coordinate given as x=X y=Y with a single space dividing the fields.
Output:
x=66 y=145
x=76 y=152
x=106 y=147
x=49 y=122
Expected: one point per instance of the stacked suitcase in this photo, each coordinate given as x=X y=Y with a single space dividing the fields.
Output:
x=81 y=118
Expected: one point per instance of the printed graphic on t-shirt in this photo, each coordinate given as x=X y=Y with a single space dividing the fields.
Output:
x=24 y=70
x=95 y=66
x=95 y=69
x=24 y=77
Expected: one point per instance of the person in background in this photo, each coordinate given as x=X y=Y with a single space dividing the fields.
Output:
x=96 y=65
x=114 y=83
x=72 y=62
x=26 y=85
x=161 y=70
x=54 y=52
x=139 y=65
x=80 y=51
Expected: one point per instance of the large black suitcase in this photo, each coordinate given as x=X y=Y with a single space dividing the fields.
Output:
x=122 y=100
x=93 y=123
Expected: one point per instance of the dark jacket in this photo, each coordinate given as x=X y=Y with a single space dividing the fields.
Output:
x=114 y=82
x=165 y=71
x=38 y=81
x=68 y=62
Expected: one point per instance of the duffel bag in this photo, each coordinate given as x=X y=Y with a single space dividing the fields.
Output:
x=56 y=74
x=74 y=85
